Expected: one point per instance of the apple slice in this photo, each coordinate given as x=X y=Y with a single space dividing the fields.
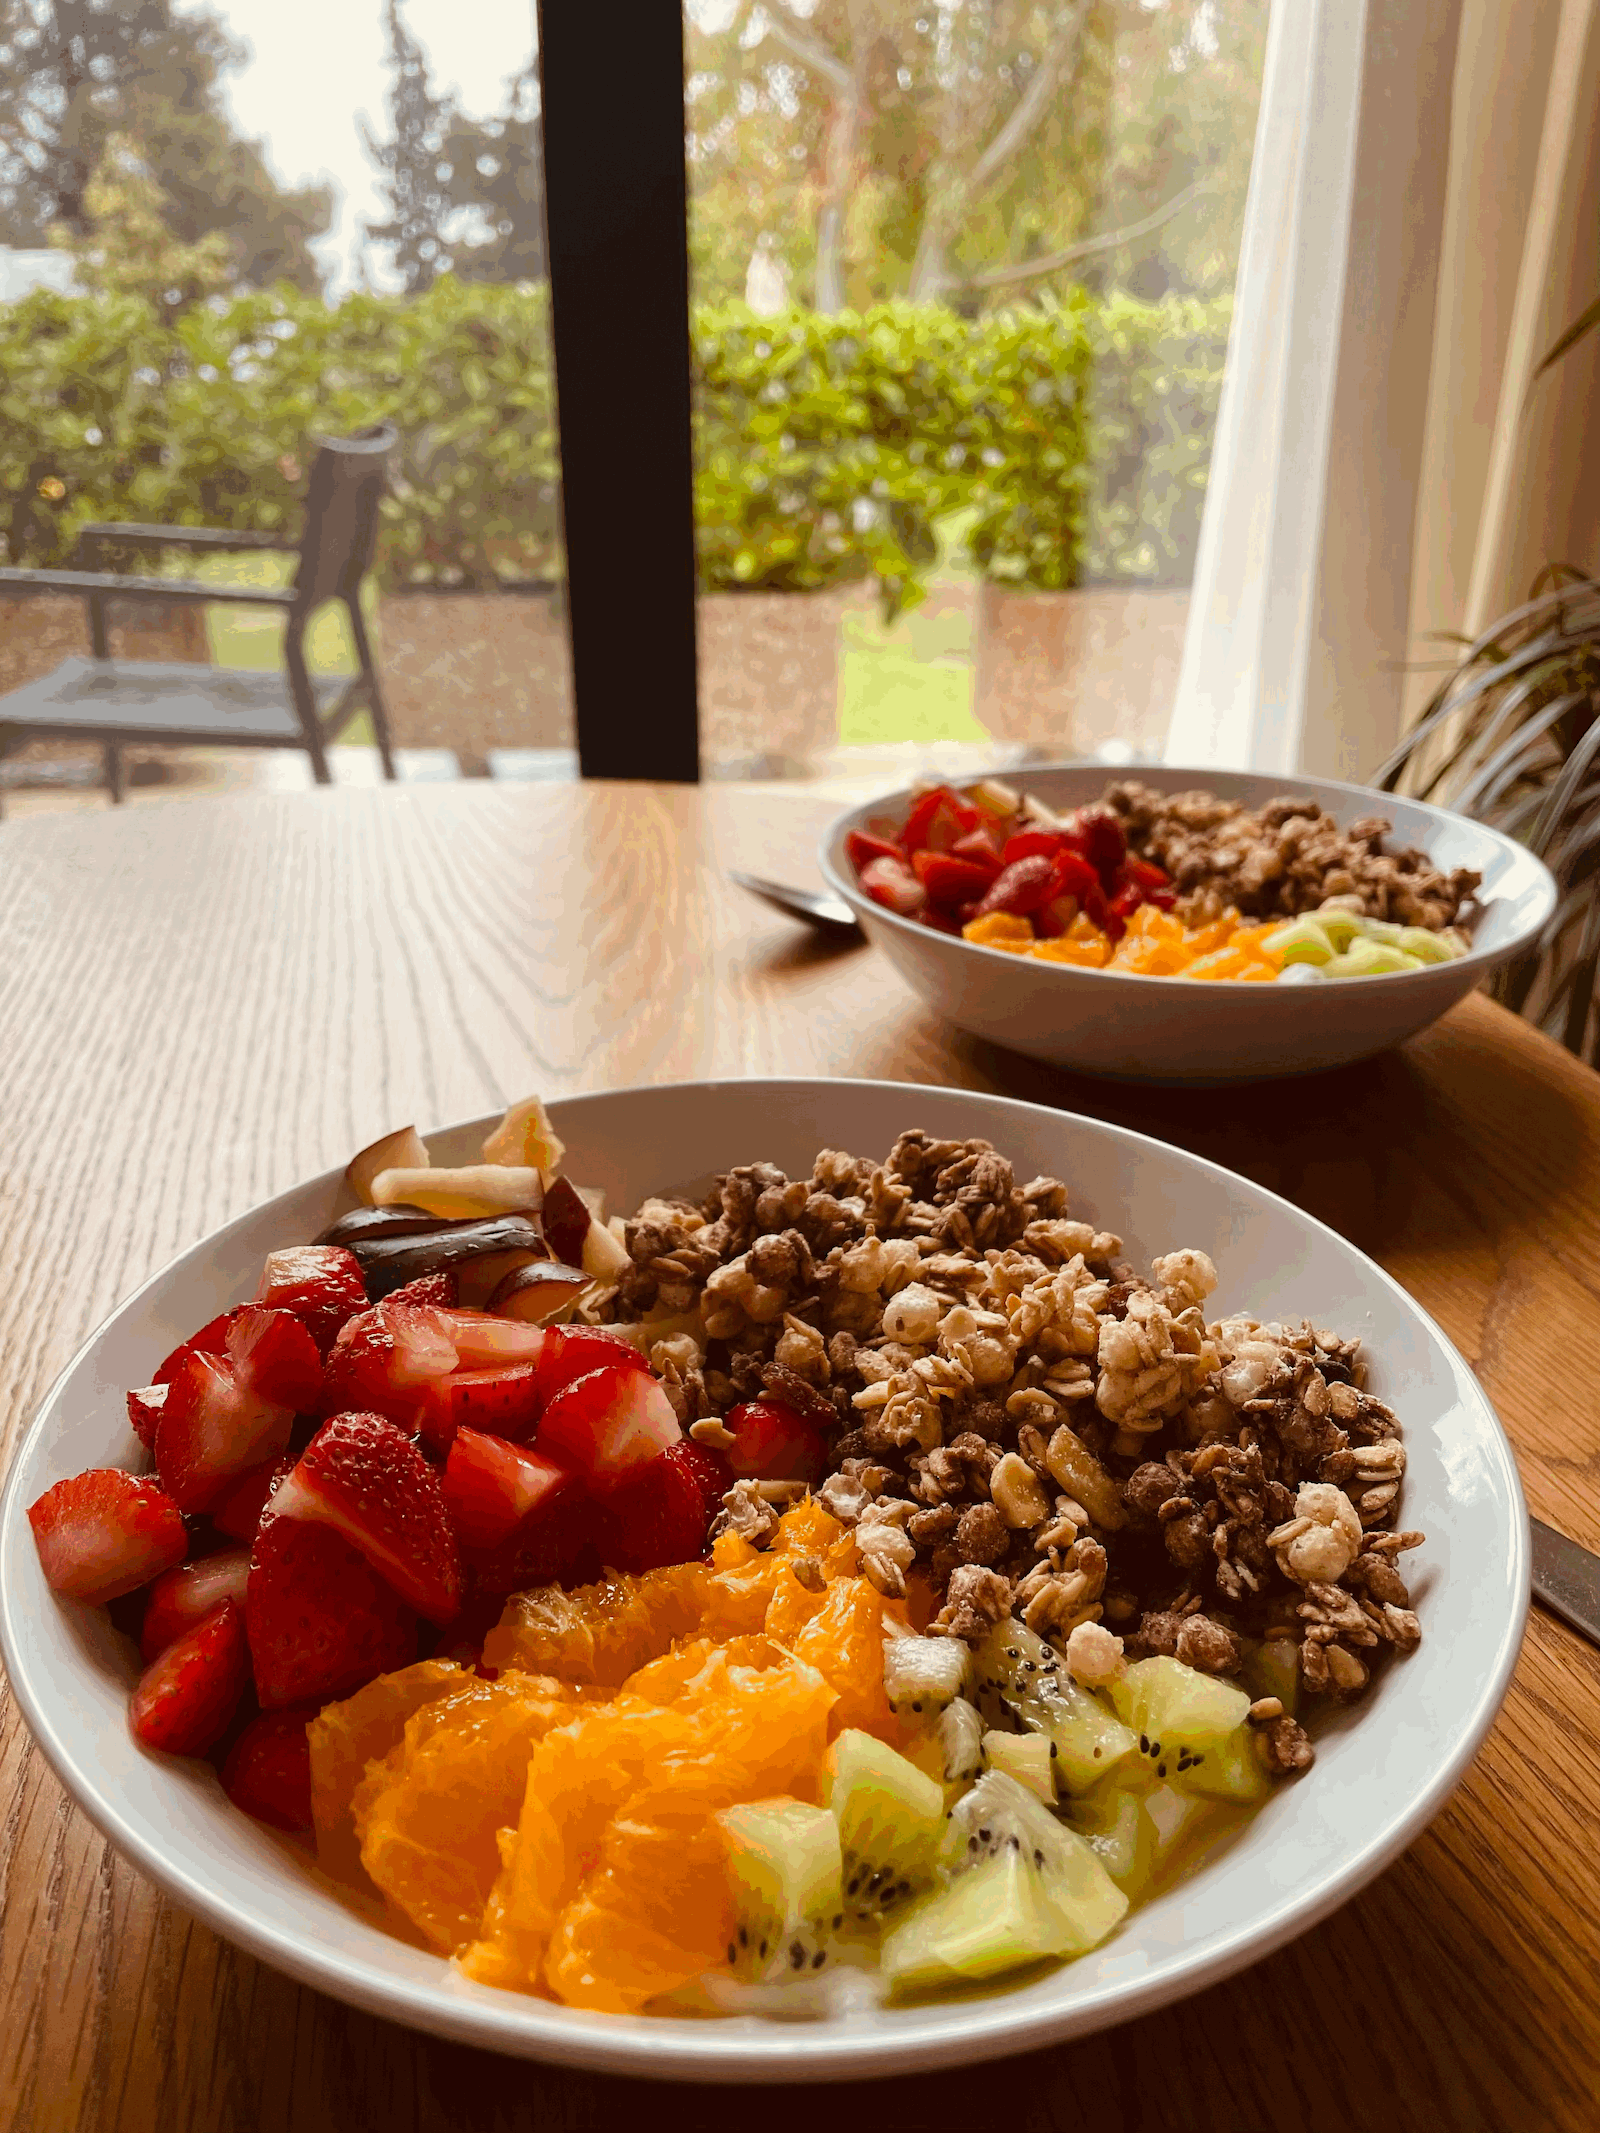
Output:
x=525 y=1136
x=490 y=1487
x=609 y=1423
x=404 y=1150
x=577 y=1237
x=475 y=1189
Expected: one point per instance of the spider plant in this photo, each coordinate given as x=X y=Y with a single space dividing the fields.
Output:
x=1512 y=738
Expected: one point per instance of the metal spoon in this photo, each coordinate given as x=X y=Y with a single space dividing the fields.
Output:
x=829 y=914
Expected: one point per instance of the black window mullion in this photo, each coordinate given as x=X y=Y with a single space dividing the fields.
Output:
x=616 y=207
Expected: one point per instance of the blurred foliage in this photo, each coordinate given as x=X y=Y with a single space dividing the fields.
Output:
x=1073 y=436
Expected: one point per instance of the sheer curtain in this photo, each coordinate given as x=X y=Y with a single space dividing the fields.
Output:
x=1422 y=221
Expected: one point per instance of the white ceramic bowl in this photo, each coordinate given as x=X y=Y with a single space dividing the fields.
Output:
x=1381 y=1773
x=1179 y=1029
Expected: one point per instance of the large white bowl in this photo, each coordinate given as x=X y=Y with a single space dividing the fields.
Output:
x=1382 y=1772
x=1178 y=1029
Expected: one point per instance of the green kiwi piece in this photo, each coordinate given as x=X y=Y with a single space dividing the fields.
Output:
x=1024 y=1681
x=783 y=1870
x=991 y=1920
x=1272 y=1668
x=1191 y=1729
x=890 y=1817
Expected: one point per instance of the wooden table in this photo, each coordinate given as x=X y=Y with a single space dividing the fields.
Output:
x=203 y=1002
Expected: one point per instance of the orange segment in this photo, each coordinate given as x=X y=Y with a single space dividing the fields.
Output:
x=601 y=1633
x=999 y=929
x=843 y=1640
x=347 y=1736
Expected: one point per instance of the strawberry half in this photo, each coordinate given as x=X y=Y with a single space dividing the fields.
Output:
x=182 y=1597
x=484 y=1342
x=607 y=1423
x=890 y=882
x=226 y=1413
x=773 y=1443
x=237 y=1511
x=571 y=1352
x=212 y=1339
x=321 y=1621
x=267 y=1771
x=145 y=1403
x=661 y=1512
x=384 y=1357
x=103 y=1533
x=366 y=1478
x=503 y=1402
x=320 y=1284
x=186 y=1697
x=442 y=1289
x=491 y=1487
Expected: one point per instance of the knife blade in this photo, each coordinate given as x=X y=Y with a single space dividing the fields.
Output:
x=1567 y=1579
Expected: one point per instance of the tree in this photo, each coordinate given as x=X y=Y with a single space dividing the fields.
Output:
x=73 y=74
x=129 y=248
x=466 y=195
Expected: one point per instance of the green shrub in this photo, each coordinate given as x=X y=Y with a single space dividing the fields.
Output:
x=1074 y=438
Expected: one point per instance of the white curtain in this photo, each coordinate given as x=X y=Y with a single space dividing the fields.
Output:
x=1422 y=221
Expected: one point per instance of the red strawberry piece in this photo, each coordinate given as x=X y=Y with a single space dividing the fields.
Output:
x=491 y=1486
x=383 y=1358
x=144 y=1412
x=186 y=1594
x=890 y=882
x=1098 y=832
x=861 y=849
x=320 y=1284
x=1144 y=871
x=565 y=1219
x=1021 y=887
x=224 y=1413
x=554 y=1545
x=365 y=1477
x=212 y=1339
x=1074 y=886
x=442 y=1290
x=321 y=1621
x=607 y=1423
x=709 y=1471
x=950 y=881
x=980 y=850
x=773 y=1443
x=503 y=1402
x=485 y=1342
x=237 y=1511
x=267 y=1771
x=186 y=1697
x=571 y=1352
x=103 y=1533
x=938 y=819
x=659 y=1514
x=1033 y=843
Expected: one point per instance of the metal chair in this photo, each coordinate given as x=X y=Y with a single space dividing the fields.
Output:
x=122 y=701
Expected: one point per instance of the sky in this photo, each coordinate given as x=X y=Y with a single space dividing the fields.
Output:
x=316 y=66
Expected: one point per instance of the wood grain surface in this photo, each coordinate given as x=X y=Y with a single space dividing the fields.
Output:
x=202 y=1003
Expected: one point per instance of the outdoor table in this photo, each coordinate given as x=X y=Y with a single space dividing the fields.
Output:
x=204 y=1002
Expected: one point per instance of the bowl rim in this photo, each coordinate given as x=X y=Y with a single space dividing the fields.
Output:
x=1478 y=961
x=966 y=2031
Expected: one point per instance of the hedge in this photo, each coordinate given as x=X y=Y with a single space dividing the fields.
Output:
x=1072 y=439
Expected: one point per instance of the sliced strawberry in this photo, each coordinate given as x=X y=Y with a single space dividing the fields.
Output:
x=237 y=1511
x=103 y=1533
x=212 y=1339
x=660 y=1513
x=565 y=1220
x=366 y=1478
x=383 y=1357
x=553 y=1545
x=1021 y=887
x=938 y=819
x=1074 y=887
x=485 y=1342
x=267 y=1771
x=607 y=1423
x=861 y=849
x=490 y=1487
x=890 y=882
x=710 y=1472
x=144 y=1412
x=275 y=1357
x=321 y=1621
x=571 y=1352
x=950 y=881
x=186 y=1697
x=185 y=1595
x=979 y=849
x=1033 y=844
x=773 y=1443
x=503 y=1402
x=1098 y=833
x=212 y=1430
x=442 y=1289
x=320 y=1284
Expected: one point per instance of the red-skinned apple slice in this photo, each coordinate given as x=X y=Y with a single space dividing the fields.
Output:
x=608 y=1423
x=491 y=1487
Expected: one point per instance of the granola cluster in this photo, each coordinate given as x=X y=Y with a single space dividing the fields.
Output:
x=1282 y=859
x=1019 y=1417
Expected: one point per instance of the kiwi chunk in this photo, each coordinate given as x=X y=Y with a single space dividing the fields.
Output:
x=1116 y=1825
x=994 y=1919
x=890 y=1818
x=1191 y=1729
x=999 y=1815
x=1272 y=1668
x=1024 y=1681
x=922 y=1675
x=1026 y=1757
x=783 y=1871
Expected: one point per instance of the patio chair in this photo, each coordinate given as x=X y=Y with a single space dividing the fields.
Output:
x=121 y=701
